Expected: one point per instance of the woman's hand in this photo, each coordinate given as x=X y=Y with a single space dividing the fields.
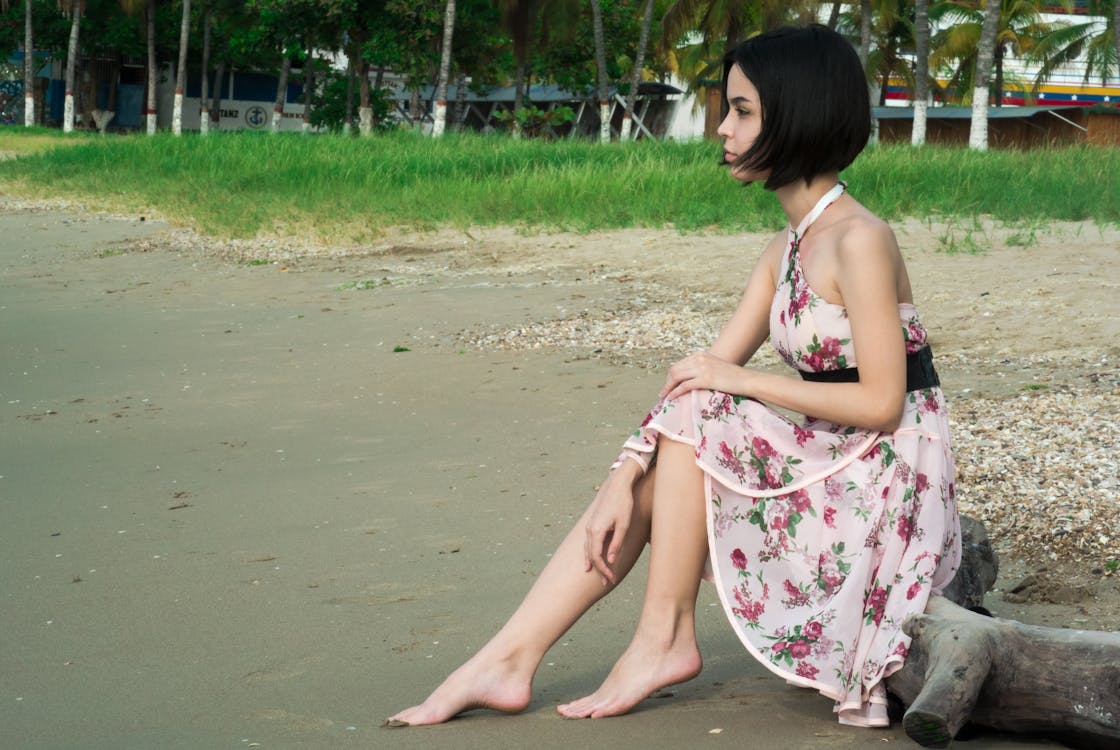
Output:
x=704 y=371
x=609 y=520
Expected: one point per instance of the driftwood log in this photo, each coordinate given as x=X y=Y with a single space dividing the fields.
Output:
x=966 y=667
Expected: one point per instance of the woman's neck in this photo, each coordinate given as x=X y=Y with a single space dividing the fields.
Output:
x=798 y=199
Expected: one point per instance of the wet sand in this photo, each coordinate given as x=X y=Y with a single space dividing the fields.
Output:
x=236 y=514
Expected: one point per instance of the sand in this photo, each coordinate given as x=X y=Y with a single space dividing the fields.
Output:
x=255 y=505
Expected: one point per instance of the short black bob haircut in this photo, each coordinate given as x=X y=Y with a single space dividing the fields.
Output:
x=816 y=114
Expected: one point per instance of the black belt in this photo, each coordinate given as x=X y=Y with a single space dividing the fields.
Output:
x=919 y=372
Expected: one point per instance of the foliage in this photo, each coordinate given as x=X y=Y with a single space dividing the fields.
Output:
x=534 y=122
x=328 y=107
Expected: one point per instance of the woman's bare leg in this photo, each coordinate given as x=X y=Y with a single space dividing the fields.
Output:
x=500 y=675
x=663 y=651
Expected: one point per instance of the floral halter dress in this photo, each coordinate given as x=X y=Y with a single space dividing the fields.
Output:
x=822 y=538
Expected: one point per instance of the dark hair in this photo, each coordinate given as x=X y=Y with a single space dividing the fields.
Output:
x=816 y=114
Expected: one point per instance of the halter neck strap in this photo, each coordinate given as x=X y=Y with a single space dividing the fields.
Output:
x=826 y=200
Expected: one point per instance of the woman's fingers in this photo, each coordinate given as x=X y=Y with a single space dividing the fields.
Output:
x=593 y=551
x=616 y=542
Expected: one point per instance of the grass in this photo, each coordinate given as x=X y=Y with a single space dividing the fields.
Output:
x=337 y=188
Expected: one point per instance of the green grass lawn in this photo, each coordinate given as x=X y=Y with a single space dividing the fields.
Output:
x=339 y=188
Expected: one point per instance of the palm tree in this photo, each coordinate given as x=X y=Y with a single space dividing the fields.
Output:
x=133 y=7
x=865 y=17
x=181 y=71
x=204 y=94
x=720 y=24
x=636 y=74
x=28 y=66
x=978 y=129
x=440 y=121
x=1021 y=31
x=601 y=67
x=1067 y=42
x=1115 y=30
x=153 y=71
x=72 y=8
x=921 y=71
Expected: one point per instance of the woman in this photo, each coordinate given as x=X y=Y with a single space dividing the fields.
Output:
x=820 y=535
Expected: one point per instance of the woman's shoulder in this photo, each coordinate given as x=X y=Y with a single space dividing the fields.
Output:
x=863 y=236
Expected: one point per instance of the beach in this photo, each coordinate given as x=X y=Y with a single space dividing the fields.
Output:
x=267 y=493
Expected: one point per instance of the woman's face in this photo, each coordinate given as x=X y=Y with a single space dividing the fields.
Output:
x=743 y=123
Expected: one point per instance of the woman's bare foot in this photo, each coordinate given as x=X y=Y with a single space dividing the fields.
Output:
x=638 y=673
x=496 y=685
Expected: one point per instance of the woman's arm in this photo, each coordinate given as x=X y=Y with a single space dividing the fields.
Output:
x=867 y=272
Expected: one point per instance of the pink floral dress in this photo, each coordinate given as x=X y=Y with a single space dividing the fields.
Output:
x=822 y=538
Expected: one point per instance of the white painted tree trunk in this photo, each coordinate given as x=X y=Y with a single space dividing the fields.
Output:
x=308 y=85
x=601 y=67
x=921 y=72
x=365 y=110
x=153 y=72
x=918 y=133
x=978 y=129
x=439 y=122
x=68 y=113
x=985 y=55
x=177 y=114
x=28 y=68
x=71 y=63
x=181 y=71
x=204 y=94
x=624 y=131
x=439 y=119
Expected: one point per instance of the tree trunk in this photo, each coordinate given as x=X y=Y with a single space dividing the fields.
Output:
x=865 y=18
x=204 y=94
x=440 y=117
x=365 y=111
x=281 y=92
x=348 y=115
x=999 y=75
x=921 y=72
x=308 y=83
x=864 y=33
x=1115 y=32
x=153 y=72
x=461 y=101
x=181 y=71
x=28 y=68
x=415 y=117
x=71 y=63
x=834 y=15
x=601 y=67
x=636 y=76
x=216 y=103
x=978 y=130
x=966 y=667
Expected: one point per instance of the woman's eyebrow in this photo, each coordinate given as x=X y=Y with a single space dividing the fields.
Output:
x=739 y=100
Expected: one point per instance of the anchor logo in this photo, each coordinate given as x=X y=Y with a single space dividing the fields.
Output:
x=256 y=117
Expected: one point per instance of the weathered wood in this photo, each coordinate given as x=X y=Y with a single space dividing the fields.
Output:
x=979 y=567
x=966 y=667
